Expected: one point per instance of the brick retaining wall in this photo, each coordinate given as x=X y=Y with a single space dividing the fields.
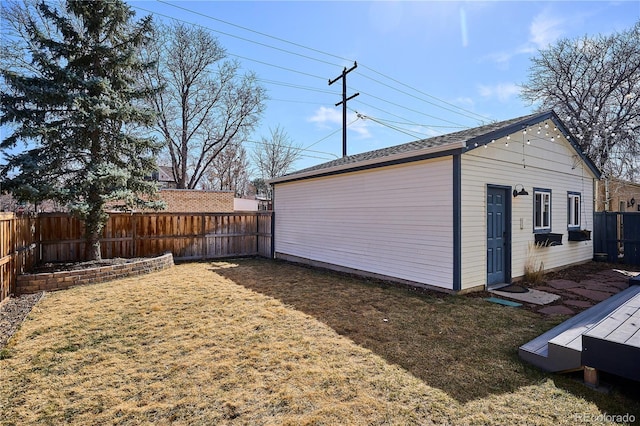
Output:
x=33 y=283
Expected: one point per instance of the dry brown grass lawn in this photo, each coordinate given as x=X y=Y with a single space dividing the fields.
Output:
x=261 y=342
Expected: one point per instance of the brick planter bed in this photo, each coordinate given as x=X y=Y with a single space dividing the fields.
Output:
x=33 y=283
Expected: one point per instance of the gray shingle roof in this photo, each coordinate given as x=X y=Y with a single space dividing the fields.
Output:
x=442 y=140
x=479 y=135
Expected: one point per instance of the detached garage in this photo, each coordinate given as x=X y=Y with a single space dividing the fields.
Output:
x=457 y=212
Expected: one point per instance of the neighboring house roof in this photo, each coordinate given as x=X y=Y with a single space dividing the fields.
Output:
x=165 y=174
x=458 y=142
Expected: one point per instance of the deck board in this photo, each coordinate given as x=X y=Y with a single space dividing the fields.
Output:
x=621 y=325
x=566 y=339
x=627 y=329
x=613 y=345
x=635 y=339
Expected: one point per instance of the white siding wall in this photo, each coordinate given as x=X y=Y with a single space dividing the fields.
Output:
x=548 y=165
x=395 y=221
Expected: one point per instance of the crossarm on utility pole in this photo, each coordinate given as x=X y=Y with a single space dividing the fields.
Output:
x=344 y=100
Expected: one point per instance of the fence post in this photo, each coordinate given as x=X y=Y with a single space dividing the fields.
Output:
x=134 y=228
x=203 y=232
x=13 y=262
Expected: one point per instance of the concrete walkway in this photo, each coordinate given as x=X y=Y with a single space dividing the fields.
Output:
x=578 y=296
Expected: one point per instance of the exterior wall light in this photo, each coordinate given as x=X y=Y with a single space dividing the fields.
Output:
x=521 y=192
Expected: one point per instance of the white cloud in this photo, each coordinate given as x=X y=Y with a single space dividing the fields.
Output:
x=465 y=101
x=545 y=29
x=501 y=91
x=329 y=118
x=324 y=117
x=498 y=57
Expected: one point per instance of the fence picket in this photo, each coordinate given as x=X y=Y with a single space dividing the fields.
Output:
x=17 y=250
x=58 y=237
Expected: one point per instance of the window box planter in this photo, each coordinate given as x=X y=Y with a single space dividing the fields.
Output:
x=580 y=235
x=550 y=239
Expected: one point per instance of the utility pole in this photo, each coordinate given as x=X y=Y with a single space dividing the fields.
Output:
x=344 y=100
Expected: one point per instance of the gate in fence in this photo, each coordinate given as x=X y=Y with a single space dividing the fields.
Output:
x=618 y=235
x=17 y=249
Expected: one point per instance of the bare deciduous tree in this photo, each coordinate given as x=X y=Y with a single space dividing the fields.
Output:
x=229 y=171
x=593 y=83
x=274 y=155
x=17 y=17
x=206 y=105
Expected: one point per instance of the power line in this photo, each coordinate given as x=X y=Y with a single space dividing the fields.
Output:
x=330 y=134
x=410 y=122
x=455 y=111
x=299 y=149
x=417 y=97
x=277 y=66
x=426 y=94
x=233 y=35
x=365 y=117
x=410 y=109
x=296 y=102
x=258 y=32
x=297 y=86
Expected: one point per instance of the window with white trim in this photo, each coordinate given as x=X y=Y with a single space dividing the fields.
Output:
x=541 y=210
x=573 y=210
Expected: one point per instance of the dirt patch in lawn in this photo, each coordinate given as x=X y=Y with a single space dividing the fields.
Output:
x=262 y=342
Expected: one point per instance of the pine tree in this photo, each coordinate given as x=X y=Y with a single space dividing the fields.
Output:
x=77 y=113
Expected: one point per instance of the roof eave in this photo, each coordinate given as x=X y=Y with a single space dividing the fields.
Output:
x=345 y=168
x=515 y=127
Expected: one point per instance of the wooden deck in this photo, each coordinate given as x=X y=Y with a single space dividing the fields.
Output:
x=613 y=345
x=561 y=348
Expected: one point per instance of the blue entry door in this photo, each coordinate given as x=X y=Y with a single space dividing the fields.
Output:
x=498 y=236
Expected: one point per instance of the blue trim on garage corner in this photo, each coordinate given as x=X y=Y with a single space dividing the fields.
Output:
x=457 y=222
x=273 y=222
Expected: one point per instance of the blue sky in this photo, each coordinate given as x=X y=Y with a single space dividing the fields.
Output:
x=424 y=68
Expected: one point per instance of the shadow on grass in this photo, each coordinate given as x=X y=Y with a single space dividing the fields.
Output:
x=462 y=345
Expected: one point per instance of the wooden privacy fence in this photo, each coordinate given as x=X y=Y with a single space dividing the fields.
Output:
x=187 y=236
x=17 y=250
x=57 y=237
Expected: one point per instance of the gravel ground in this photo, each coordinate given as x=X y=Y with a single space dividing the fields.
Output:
x=12 y=312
